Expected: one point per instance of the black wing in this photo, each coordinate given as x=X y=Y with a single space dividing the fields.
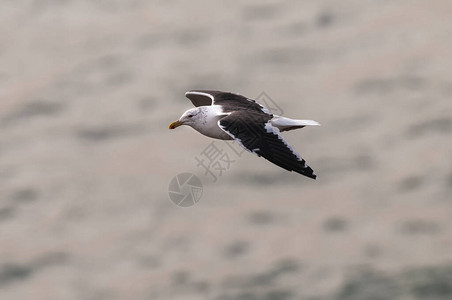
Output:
x=254 y=132
x=229 y=101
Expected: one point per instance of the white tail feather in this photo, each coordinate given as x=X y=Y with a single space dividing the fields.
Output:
x=284 y=124
x=309 y=122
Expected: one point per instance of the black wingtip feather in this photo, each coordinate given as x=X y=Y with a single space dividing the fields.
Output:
x=249 y=128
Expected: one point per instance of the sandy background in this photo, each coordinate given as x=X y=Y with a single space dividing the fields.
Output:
x=88 y=88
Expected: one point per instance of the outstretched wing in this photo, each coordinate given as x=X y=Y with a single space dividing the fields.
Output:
x=201 y=98
x=254 y=132
x=229 y=101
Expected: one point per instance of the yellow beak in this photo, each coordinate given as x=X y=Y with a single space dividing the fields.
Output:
x=175 y=124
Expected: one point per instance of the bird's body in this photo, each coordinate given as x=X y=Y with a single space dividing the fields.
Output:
x=227 y=116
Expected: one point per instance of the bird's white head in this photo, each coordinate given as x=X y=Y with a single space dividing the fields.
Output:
x=189 y=118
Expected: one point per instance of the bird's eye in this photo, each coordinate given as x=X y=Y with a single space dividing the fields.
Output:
x=190 y=116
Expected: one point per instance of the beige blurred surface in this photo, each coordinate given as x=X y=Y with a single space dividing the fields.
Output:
x=88 y=89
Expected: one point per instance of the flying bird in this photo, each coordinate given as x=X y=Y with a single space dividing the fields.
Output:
x=227 y=116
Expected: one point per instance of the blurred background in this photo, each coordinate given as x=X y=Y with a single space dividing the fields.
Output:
x=88 y=89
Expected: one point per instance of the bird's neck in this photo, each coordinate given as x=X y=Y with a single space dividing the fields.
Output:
x=207 y=124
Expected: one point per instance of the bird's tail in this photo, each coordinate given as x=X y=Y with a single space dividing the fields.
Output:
x=286 y=124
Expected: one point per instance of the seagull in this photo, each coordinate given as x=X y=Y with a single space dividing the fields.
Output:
x=229 y=116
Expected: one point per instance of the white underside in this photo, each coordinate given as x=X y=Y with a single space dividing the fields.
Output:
x=211 y=128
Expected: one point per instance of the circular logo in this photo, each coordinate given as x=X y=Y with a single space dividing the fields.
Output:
x=185 y=189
